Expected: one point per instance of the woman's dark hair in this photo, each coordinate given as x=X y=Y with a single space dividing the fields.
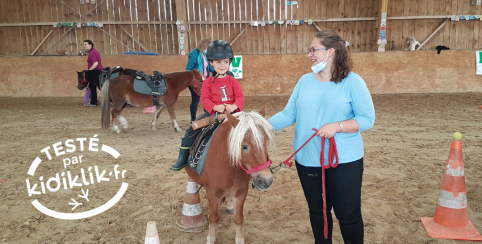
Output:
x=90 y=43
x=343 y=63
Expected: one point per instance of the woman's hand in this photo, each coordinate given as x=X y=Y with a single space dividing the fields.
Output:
x=328 y=130
x=219 y=108
x=231 y=108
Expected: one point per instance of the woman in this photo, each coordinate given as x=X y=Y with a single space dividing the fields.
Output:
x=336 y=101
x=94 y=63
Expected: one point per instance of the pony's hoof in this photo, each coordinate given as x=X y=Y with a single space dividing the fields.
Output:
x=239 y=240
x=154 y=129
x=230 y=210
x=178 y=130
x=211 y=240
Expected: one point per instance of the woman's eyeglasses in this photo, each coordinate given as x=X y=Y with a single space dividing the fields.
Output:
x=314 y=49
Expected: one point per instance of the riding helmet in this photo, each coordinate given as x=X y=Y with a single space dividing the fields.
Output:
x=218 y=50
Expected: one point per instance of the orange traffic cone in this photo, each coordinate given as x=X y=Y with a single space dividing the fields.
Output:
x=451 y=219
x=192 y=219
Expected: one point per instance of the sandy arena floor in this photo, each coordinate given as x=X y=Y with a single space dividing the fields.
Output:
x=406 y=154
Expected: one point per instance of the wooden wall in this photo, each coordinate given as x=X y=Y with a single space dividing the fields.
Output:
x=279 y=39
x=399 y=72
x=158 y=36
x=149 y=25
x=460 y=35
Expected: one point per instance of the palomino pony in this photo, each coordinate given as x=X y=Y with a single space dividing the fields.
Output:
x=238 y=152
x=121 y=89
x=92 y=76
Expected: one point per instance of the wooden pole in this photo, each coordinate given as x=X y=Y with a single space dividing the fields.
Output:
x=181 y=12
x=140 y=45
x=433 y=34
x=42 y=42
x=245 y=28
x=319 y=29
x=381 y=24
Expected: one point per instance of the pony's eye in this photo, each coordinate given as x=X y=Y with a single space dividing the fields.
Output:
x=245 y=147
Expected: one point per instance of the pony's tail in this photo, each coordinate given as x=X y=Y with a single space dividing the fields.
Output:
x=105 y=120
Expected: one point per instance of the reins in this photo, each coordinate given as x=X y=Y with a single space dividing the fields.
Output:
x=333 y=153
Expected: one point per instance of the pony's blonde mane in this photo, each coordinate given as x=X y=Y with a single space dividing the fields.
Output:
x=248 y=121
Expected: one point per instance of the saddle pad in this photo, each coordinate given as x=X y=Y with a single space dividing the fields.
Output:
x=201 y=154
x=154 y=85
x=114 y=75
x=140 y=86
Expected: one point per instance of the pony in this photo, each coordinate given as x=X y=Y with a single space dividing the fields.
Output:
x=120 y=90
x=237 y=154
x=92 y=76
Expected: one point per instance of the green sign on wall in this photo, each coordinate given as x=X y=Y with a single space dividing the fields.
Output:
x=478 y=56
x=237 y=67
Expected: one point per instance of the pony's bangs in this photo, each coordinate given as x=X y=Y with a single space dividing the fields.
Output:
x=248 y=121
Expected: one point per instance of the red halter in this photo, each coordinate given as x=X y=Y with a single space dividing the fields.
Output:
x=194 y=85
x=84 y=82
x=257 y=168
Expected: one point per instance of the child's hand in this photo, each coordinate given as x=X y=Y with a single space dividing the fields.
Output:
x=219 y=108
x=231 y=108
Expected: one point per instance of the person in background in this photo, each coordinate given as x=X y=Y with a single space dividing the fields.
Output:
x=93 y=63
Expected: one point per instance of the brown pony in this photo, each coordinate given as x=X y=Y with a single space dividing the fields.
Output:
x=121 y=89
x=238 y=152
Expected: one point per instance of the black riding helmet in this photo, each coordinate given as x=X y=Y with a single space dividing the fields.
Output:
x=218 y=50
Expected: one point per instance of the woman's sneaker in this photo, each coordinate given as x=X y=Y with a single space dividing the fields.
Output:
x=89 y=105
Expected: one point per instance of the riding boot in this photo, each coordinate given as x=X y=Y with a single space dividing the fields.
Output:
x=181 y=160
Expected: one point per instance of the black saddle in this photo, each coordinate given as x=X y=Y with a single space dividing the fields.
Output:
x=108 y=73
x=198 y=151
x=440 y=48
x=154 y=85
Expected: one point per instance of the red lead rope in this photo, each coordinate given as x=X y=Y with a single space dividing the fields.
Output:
x=333 y=153
x=331 y=164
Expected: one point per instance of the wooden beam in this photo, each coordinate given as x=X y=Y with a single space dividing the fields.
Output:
x=245 y=28
x=432 y=34
x=103 y=22
x=319 y=29
x=420 y=17
x=42 y=42
x=382 y=23
x=181 y=13
x=227 y=22
x=145 y=49
x=345 y=19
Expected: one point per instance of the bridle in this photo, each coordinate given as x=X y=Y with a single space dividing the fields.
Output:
x=194 y=85
x=84 y=82
x=257 y=168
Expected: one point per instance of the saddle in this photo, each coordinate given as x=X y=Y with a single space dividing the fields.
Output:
x=108 y=73
x=199 y=150
x=154 y=85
